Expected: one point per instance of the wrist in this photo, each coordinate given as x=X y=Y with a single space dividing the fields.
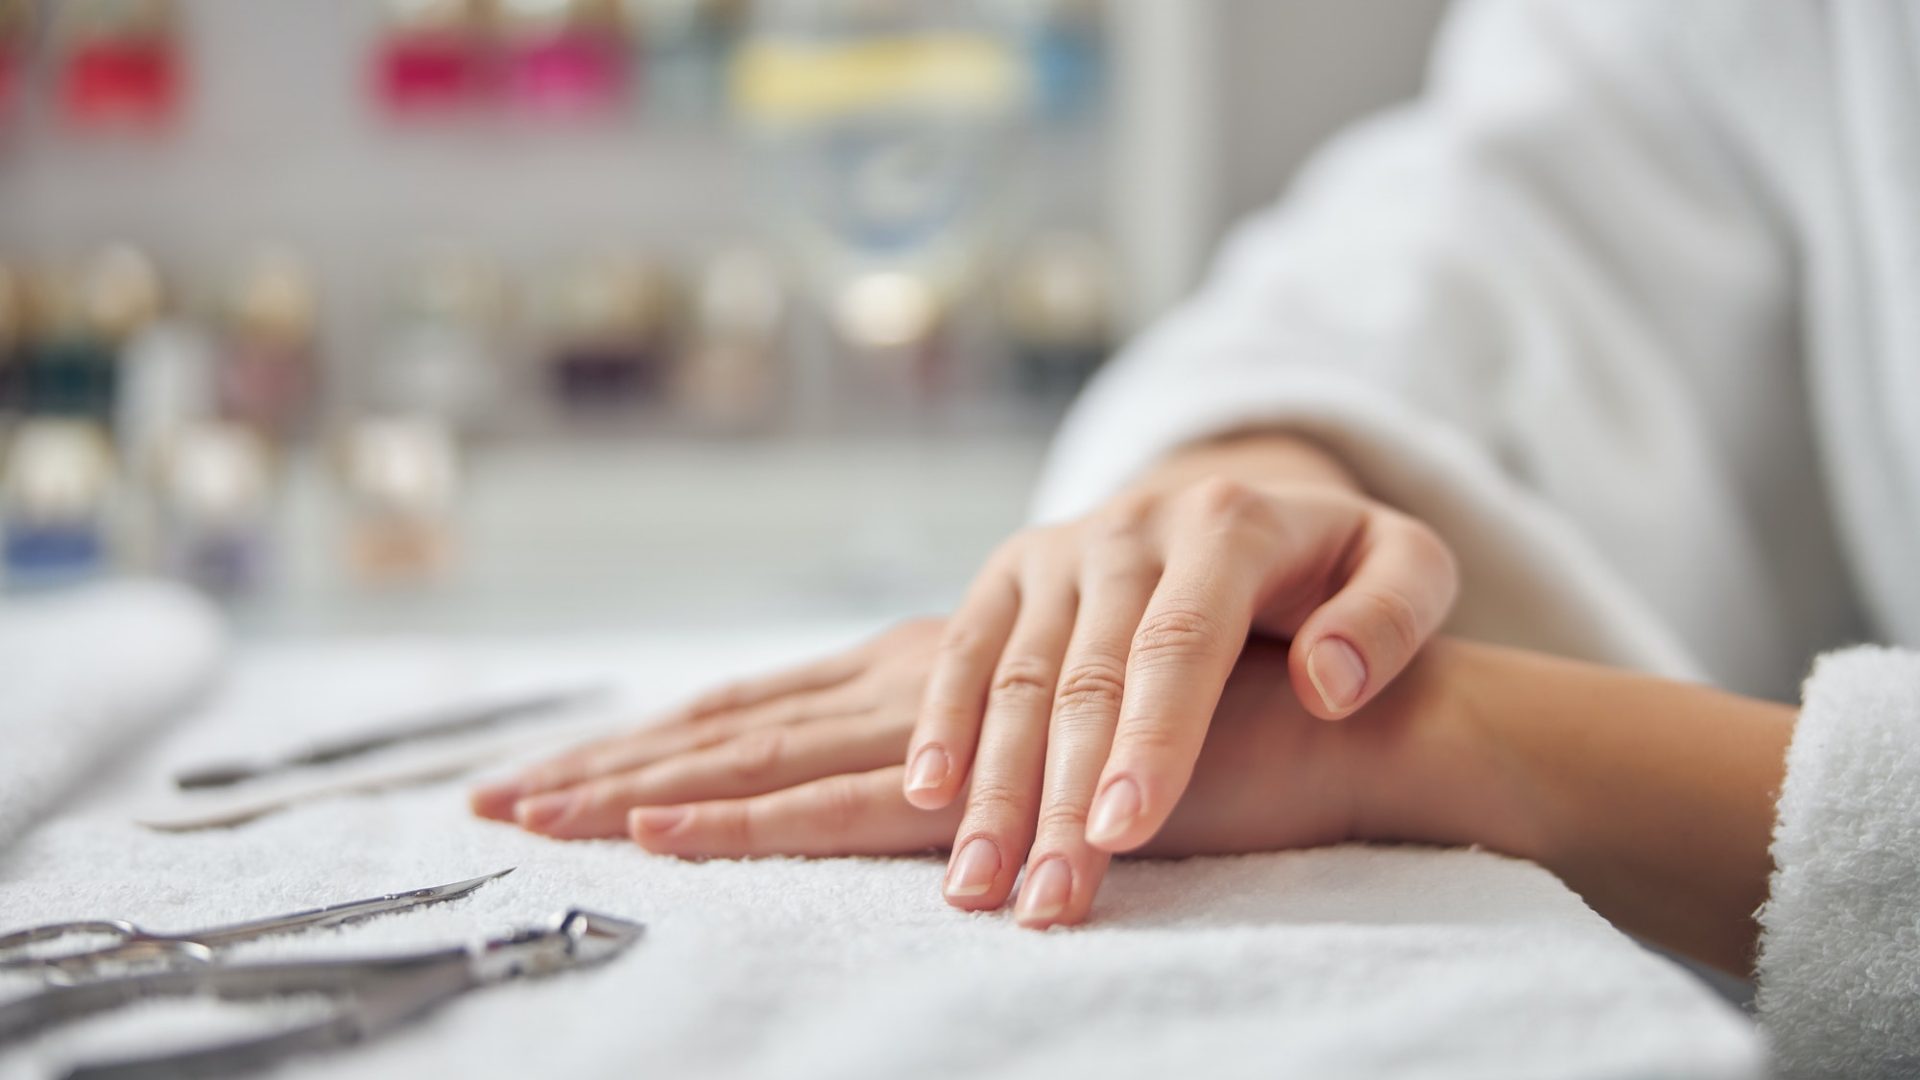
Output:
x=1434 y=764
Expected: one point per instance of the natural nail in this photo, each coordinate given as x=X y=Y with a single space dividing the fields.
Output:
x=541 y=811
x=1045 y=893
x=929 y=769
x=974 y=869
x=657 y=819
x=1337 y=673
x=1114 y=812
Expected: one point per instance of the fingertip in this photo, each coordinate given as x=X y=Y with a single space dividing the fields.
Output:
x=494 y=801
x=973 y=876
x=928 y=783
x=1117 y=814
x=540 y=813
x=652 y=826
x=1338 y=675
x=1046 y=896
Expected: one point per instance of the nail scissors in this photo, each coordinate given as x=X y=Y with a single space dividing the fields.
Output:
x=129 y=945
x=376 y=994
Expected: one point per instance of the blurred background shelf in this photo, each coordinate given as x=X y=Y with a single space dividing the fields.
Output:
x=864 y=476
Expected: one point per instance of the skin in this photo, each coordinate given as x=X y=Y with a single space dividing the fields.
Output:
x=1071 y=693
x=1653 y=799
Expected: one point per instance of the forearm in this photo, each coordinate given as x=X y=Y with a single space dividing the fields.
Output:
x=1652 y=799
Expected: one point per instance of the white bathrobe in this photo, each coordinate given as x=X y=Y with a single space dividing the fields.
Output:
x=1628 y=306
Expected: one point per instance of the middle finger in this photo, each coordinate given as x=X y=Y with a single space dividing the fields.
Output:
x=998 y=825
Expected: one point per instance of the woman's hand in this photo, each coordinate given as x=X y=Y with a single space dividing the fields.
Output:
x=846 y=714
x=1269 y=777
x=1072 y=692
x=807 y=763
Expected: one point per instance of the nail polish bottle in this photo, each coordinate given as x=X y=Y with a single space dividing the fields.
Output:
x=441 y=348
x=216 y=481
x=685 y=45
x=13 y=350
x=731 y=378
x=614 y=329
x=119 y=63
x=54 y=503
x=80 y=317
x=167 y=384
x=1058 y=311
x=431 y=60
x=895 y=324
x=267 y=373
x=1066 y=56
x=16 y=18
x=400 y=476
x=564 y=59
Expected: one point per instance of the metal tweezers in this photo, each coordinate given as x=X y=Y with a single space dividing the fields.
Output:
x=376 y=993
x=130 y=946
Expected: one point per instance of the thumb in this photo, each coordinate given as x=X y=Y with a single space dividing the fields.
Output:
x=1399 y=589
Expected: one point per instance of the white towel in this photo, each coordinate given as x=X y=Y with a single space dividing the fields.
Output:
x=1349 y=962
x=84 y=674
x=1840 y=960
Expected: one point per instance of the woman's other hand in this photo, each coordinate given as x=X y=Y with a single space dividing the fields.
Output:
x=846 y=714
x=1071 y=694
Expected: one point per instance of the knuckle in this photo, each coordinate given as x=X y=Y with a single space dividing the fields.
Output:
x=756 y=754
x=1175 y=633
x=1020 y=680
x=1220 y=498
x=1062 y=819
x=960 y=642
x=997 y=803
x=1127 y=516
x=1148 y=743
x=1093 y=686
x=1389 y=611
x=839 y=803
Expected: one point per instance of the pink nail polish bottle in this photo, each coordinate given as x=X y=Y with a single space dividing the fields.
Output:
x=119 y=64
x=267 y=375
x=564 y=59
x=400 y=476
x=731 y=379
x=431 y=60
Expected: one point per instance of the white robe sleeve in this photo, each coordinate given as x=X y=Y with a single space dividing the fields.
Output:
x=1427 y=292
x=1839 y=968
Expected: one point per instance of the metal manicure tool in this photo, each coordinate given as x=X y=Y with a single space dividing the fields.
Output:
x=376 y=994
x=129 y=946
x=440 y=723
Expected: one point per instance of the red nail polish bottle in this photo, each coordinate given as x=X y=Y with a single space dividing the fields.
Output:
x=119 y=63
x=431 y=60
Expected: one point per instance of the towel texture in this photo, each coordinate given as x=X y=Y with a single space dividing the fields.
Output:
x=83 y=673
x=1840 y=961
x=1349 y=962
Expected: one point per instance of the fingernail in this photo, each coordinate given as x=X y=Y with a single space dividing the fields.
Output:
x=929 y=769
x=1113 y=812
x=541 y=810
x=973 y=870
x=1045 y=893
x=1337 y=673
x=500 y=791
x=657 y=819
